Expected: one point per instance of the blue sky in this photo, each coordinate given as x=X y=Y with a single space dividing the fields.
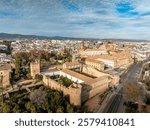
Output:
x=77 y=18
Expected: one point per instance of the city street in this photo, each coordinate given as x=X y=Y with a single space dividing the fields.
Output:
x=114 y=103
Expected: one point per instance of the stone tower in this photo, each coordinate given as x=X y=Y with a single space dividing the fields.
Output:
x=35 y=68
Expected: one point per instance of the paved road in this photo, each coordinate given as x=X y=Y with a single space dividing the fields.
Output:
x=112 y=102
x=116 y=101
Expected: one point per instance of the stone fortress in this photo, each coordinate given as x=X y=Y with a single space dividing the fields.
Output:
x=92 y=74
x=88 y=76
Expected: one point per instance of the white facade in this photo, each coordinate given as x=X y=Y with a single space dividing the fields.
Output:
x=51 y=73
x=60 y=73
x=93 y=53
x=109 y=63
x=74 y=79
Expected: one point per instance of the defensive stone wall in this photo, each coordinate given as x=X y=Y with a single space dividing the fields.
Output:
x=73 y=92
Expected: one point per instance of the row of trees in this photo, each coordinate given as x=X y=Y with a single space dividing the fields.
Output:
x=131 y=107
x=65 y=57
x=23 y=60
x=39 y=100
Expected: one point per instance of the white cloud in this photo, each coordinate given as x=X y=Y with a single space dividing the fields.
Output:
x=98 y=18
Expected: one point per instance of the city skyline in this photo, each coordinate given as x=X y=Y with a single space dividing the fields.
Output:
x=120 y=19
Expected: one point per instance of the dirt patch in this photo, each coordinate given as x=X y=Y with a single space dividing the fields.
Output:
x=93 y=104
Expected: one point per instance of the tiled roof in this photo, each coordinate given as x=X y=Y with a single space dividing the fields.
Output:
x=72 y=63
x=90 y=82
x=94 y=61
x=76 y=75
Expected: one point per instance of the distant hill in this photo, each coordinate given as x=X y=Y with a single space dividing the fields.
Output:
x=7 y=36
x=125 y=40
x=20 y=36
